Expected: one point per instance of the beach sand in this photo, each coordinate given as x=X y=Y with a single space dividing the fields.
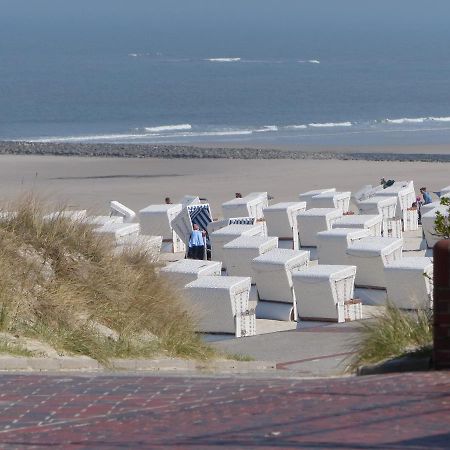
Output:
x=85 y=182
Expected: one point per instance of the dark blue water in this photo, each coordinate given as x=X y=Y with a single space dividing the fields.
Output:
x=326 y=72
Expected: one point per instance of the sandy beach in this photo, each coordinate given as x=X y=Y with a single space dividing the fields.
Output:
x=91 y=182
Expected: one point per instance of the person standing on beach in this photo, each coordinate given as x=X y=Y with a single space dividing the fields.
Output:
x=196 y=244
x=426 y=196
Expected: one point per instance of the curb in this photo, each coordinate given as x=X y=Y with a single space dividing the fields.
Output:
x=405 y=364
x=84 y=363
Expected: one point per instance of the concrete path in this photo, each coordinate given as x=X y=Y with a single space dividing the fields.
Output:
x=410 y=411
x=309 y=349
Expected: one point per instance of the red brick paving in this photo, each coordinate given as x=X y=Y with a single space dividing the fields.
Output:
x=113 y=411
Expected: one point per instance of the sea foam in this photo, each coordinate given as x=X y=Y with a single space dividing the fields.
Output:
x=223 y=59
x=406 y=120
x=330 y=124
x=181 y=127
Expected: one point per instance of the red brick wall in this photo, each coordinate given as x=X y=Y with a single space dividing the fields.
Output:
x=441 y=316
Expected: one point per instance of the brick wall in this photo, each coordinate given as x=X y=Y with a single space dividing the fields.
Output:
x=441 y=316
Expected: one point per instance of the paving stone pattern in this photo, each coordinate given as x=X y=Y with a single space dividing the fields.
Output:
x=113 y=411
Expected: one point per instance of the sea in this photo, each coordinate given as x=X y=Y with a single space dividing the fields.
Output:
x=324 y=72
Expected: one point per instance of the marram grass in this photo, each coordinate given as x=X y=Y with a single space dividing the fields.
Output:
x=63 y=284
x=392 y=334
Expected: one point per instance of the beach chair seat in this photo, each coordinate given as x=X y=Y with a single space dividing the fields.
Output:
x=445 y=190
x=74 y=215
x=184 y=271
x=251 y=205
x=371 y=222
x=240 y=252
x=150 y=245
x=117 y=209
x=378 y=204
x=307 y=196
x=221 y=305
x=428 y=225
x=273 y=273
x=102 y=220
x=226 y=234
x=404 y=190
x=156 y=220
x=119 y=231
x=411 y=219
x=408 y=282
x=281 y=221
x=429 y=207
x=332 y=199
x=371 y=255
x=326 y=293
x=332 y=244
x=311 y=221
x=392 y=228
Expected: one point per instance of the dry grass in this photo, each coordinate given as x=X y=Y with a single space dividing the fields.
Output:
x=62 y=283
x=392 y=334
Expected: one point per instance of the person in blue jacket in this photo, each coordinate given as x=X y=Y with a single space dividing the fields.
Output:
x=196 y=244
x=426 y=196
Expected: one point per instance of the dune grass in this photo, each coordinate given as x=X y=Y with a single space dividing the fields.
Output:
x=63 y=284
x=393 y=334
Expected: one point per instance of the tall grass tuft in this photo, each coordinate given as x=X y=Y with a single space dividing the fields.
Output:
x=392 y=334
x=64 y=284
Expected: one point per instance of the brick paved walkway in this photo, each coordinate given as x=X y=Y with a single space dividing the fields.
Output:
x=115 y=411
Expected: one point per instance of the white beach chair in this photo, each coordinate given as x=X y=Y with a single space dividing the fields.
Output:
x=156 y=220
x=429 y=207
x=273 y=277
x=404 y=190
x=119 y=231
x=76 y=216
x=326 y=293
x=307 y=196
x=386 y=206
x=281 y=221
x=188 y=200
x=371 y=255
x=408 y=282
x=332 y=245
x=150 y=245
x=226 y=234
x=332 y=199
x=239 y=253
x=410 y=219
x=392 y=228
x=117 y=209
x=221 y=305
x=102 y=220
x=190 y=215
x=251 y=205
x=428 y=225
x=371 y=222
x=185 y=271
x=445 y=190
x=311 y=221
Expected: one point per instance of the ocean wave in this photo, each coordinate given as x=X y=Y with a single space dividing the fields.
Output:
x=330 y=124
x=266 y=128
x=181 y=127
x=94 y=137
x=223 y=59
x=308 y=61
x=440 y=119
x=406 y=120
x=295 y=127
